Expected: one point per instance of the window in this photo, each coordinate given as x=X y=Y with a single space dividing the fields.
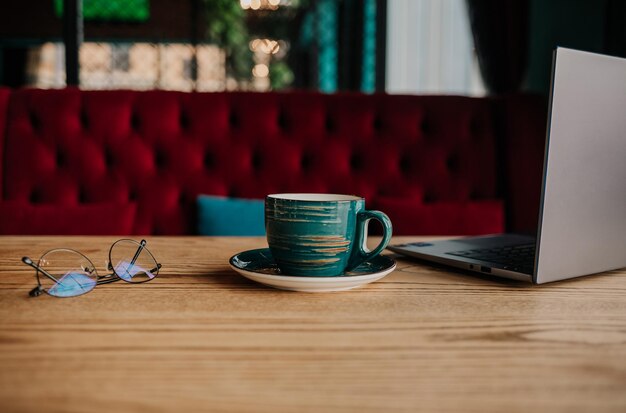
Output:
x=430 y=49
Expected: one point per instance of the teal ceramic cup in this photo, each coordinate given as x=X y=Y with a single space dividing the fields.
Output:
x=320 y=235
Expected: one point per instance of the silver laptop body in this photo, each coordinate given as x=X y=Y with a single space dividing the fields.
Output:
x=582 y=216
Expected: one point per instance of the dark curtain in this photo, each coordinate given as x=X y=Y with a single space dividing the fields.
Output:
x=500 y=30
x=615 y=36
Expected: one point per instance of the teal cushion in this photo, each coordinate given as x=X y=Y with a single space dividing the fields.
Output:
x=230 y=216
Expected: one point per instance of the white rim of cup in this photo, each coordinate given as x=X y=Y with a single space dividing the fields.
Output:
x=315 y=197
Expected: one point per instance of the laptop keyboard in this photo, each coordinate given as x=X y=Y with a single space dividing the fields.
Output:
x=520 y=258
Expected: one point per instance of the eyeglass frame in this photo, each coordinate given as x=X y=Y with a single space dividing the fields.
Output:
x=100 y=279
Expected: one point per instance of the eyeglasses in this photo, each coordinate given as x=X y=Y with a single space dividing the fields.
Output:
x=64 y=272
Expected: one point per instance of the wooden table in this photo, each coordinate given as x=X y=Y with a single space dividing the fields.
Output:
x=202 y=338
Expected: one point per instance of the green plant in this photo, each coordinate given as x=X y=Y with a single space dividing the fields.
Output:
x=226 y=28
x=281 y=75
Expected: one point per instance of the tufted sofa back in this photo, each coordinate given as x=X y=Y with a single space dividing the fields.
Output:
x=161 y=149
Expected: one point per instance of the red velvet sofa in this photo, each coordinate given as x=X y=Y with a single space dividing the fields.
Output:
x=97 y=162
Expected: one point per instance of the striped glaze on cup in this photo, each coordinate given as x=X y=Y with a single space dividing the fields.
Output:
x=320 y=235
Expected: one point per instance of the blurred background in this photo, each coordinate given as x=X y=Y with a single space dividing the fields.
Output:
x=466 y=47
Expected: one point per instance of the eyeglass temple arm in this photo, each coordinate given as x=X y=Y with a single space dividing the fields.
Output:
x=37 y=290
x=142 y=245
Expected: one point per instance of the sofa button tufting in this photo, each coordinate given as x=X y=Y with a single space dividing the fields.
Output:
x=404 y=165
x=134 y=121
x=34 y=121
x=233 y=120
x=208 y=161
x=426 y=127
x=184 y=121
x=429 y=197
x=35 y=197
x=452 y=163
x=159 y=159
x=306 y=162
x=281 y=121
x=257 y=160
x=84 y=120
x=356 y=162
x=82 y=196
x=377 y=125
x=329 y=124
x=60 y=159
x=475 y=127
x=109 y=160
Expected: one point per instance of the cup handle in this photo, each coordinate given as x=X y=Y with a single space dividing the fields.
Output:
x=361 y=253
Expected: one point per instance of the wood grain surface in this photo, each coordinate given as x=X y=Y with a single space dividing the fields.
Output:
x=202 y=338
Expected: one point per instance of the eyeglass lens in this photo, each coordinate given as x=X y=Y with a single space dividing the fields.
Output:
x=132 y=262
x=66 y=273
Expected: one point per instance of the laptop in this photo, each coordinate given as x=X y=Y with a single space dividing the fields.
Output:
x=582 y=212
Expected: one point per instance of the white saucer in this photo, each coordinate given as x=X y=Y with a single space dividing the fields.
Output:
x=258 y=265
